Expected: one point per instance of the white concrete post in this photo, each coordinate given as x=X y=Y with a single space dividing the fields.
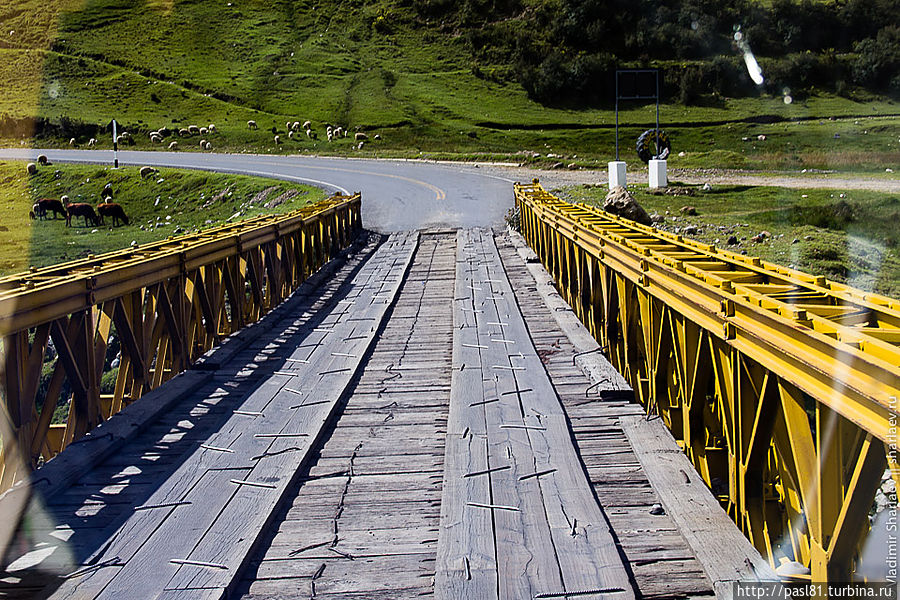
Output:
x=657 y=174
x=617 y=174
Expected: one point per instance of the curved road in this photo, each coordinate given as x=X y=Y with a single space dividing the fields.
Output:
x=397 y=195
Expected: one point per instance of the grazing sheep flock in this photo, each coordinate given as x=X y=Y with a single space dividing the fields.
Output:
x=205 y=132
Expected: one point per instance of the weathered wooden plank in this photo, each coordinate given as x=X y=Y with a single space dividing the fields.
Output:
x=241 y=522
x=726 y=555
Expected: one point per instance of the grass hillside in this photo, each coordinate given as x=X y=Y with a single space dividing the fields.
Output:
x=173 y=202
x=430 y=78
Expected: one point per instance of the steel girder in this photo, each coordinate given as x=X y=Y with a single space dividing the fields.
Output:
x=780 y=386
x=167 y=303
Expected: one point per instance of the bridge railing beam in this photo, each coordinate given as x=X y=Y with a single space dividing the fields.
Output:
x=780 y=386
x=162 y=305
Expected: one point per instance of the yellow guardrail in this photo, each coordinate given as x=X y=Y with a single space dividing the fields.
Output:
x=163 y=303
x=782 y=387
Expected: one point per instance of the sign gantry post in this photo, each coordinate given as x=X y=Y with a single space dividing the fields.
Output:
x=634 y=84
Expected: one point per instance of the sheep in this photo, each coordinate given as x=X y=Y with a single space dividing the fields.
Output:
x=107 y=192
x=360 y=146
x=183 y=132
x=212 y=127
x=111 y=209
x=72 y=142
x=204 y=131
x=42 y=160
x=208 y=146
x=64 y=200
x=147 y=172
x=80 y=209
x=163 y=131
x=31 y=168
x=120 y=140
x=330 y=135
x=155 y=138
x=203 y=144
x=377 y=137
x=44 y=205
x=291 y=134
x=277 y=139
x=173 y=146
x=193 y=130
x=307 y=125
x=92 y=142
x=359 y=137
x=252 y=125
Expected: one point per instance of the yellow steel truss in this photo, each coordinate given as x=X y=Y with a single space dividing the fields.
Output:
x=167 y=302
x=780 y=386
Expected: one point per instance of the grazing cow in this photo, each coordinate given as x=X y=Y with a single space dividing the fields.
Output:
x=111 y=209
x=80 y=209
x=45 y=205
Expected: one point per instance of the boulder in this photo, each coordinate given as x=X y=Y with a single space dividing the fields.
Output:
x=620 y=202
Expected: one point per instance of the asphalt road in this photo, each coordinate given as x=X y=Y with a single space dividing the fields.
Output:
x=397 y=195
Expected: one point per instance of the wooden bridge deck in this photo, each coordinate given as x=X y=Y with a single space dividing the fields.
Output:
x=413 y=426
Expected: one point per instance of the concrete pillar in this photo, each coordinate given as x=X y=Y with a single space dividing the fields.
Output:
x=658 y=174
x=617 y=174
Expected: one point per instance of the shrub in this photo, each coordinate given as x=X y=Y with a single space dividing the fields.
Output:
x=878 y=64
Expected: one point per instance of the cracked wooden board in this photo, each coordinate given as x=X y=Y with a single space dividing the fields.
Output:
x=146 y=544
x=503 y=401
x=373 y=492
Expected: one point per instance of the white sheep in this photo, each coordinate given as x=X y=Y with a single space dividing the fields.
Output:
x=360 y=137
x=288 y=125
x=377 y=137
x=92 y=142
x=291 y=134
x=173 y=146
x=212 y=127
x=183 y=132
x=360 y=146
x=277 y=139
x=330 y=135
x=147 y=172
x=295 y=126
x=252 y=125
x=154 y=137
x=309 y=133
x=31 y=168
x=208 y=146
x=203 y=143
x=43 y=160
x=194 y=130
x=307 y=125
x=204 y=131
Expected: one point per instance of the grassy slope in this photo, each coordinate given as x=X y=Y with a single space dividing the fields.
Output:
x=192 y=200
x=850 y=237
x=175 y=63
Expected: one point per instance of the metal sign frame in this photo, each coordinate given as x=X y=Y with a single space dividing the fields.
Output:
x=638 y=96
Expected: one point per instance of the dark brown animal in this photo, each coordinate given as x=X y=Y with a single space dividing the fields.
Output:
x=80 y=209
x=45 y=205
x=111 y=209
